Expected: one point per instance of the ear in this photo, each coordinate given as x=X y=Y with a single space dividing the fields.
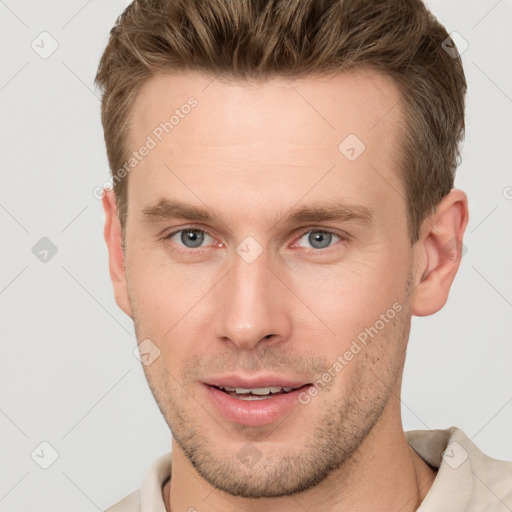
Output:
x=438 y=253
x=112 y=233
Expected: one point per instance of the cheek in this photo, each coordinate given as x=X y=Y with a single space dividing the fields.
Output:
x=163 y=291
x=350 y=296
x=168 y=303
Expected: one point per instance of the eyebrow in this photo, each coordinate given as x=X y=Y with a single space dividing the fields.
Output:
x=336 y=211
x=167 y=209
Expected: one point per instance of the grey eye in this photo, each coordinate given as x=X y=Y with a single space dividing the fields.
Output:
x=318 y=239
x=190 y=238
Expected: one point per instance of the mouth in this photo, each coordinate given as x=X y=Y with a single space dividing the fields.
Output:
x=256 y=393
x=254 y=402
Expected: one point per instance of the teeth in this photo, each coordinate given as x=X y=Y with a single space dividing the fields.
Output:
x=255 y=391
x=264 y=391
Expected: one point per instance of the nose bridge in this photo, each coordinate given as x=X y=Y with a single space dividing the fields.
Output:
x=251 y=304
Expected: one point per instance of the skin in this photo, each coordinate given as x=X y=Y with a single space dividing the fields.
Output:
x=251 y=153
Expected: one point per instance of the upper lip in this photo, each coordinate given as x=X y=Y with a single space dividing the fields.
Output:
x=260 y=381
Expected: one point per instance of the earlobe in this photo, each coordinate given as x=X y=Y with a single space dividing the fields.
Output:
x=439 y=252
x=113 y=238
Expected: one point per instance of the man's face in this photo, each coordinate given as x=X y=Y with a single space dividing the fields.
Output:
x=301 y=260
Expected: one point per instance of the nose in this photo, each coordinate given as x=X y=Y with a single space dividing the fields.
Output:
x=252 y=305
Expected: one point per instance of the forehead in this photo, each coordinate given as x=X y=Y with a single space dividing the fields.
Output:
x=356 y=101
x=269 y=138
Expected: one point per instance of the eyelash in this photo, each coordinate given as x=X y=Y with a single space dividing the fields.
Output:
x=343 y=238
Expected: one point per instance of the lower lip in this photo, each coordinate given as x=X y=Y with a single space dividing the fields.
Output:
x=254 y=413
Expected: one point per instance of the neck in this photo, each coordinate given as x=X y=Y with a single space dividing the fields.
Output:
x=384 y=473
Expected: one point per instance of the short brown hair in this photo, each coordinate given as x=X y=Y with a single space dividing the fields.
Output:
x=261 y=39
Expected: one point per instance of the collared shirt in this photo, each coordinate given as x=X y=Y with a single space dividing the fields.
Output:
x=467 y=480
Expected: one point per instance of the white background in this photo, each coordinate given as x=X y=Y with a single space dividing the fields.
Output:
x=68 y=373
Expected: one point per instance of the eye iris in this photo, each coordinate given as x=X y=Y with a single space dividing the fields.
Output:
x=192 y=238
x=319 y=239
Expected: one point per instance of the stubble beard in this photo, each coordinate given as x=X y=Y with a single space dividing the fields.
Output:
x=330 y=443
